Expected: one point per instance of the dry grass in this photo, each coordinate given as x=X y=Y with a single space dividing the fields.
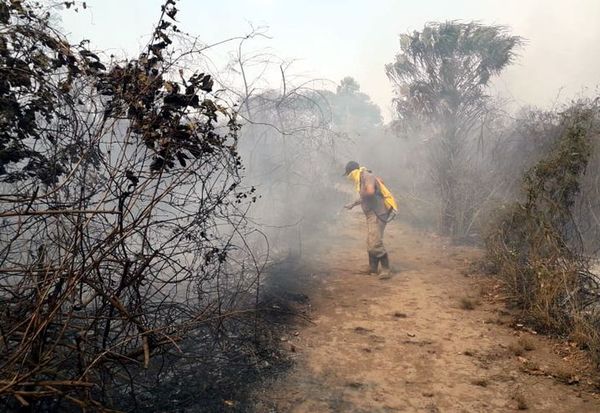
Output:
x=521 y=401
x=516 y=349
x=522 y=345
x=587 y=335
x=527 y=343
x=467 y=303
x=480 y=382
x=530 y=366
x=564 y=374
x=527 y=243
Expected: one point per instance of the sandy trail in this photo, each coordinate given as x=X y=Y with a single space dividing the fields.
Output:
x=408 y=345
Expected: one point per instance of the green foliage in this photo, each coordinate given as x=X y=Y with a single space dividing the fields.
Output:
x=443 y=70
x=441 y=75
x=534 y=243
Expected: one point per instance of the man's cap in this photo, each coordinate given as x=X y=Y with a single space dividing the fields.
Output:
x=350 y=166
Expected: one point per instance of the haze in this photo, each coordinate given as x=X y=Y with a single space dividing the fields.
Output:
x=335 y=39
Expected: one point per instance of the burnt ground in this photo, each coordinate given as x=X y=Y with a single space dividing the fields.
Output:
x=437 y=337
x=219 y=365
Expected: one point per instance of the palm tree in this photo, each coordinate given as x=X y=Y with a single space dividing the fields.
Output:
x=441 y=75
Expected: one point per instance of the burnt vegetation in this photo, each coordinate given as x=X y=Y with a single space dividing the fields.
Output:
x=152 y=248
x=122 y=222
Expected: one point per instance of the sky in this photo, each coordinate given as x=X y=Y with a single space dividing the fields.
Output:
x=331 y=39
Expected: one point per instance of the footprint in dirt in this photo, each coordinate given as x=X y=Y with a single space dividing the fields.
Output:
x=377 y=339
x=432 y=408
x=362 y=330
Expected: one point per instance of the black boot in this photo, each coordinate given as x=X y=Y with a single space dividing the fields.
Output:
x=385 y=262
x=373 y=261
x=385 y=267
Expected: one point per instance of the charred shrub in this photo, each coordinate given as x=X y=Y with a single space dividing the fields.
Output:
x=122 y=219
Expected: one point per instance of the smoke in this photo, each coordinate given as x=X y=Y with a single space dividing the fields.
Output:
x=561 y=54
x=561 y=58
x=558 y=62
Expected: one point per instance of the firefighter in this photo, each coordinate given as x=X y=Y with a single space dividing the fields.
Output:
x=379 y=207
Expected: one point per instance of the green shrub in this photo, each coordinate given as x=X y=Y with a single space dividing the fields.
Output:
x=534 y=244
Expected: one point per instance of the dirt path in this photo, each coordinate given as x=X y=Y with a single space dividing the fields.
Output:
x=411 y=344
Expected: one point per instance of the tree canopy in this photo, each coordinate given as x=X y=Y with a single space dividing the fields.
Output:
x=352 y=111
x=441 y=75
x=443 y=70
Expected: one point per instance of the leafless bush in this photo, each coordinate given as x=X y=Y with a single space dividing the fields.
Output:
x=121 y=213
x=290 y=152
